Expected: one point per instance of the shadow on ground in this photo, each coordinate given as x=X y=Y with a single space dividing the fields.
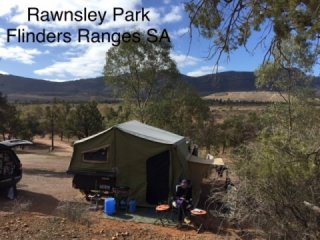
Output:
x=46 y=173
x=30 y=201
x=143 y=215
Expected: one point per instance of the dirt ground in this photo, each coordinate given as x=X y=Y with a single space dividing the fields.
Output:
x=45 y=190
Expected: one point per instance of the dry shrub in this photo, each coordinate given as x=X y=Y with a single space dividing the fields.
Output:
x=21 y=205
x=75 y=212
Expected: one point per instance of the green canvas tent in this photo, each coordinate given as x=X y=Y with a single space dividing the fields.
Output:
x=148 y=160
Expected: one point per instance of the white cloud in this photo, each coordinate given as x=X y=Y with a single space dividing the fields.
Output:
x=59 y=80
x=174 y=15
x=182 y=31
x=155 y=20
x=3 y=72
x=78 y=60
x=183 y=60
x=19 y=54
x=179 y=33
x=16 y=53
x=24 y=27
x=88 y=61
x=87 y=64
x=61 y=44
x=204 y=70
x=2 y=37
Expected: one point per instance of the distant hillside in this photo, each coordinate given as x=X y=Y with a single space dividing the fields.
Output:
x=27 y=89
x=222 y=82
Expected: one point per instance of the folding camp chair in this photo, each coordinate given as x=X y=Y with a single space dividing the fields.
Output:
x=200 y=214
x=162 y=211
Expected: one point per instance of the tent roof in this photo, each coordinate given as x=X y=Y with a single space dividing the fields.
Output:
x=144 y=131
x=148 y=132
x=92 y=136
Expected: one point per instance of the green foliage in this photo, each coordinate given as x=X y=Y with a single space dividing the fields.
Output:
x=234 y=131
x=12 y=125
x=55 y=117
x=84 y=120
x=182 y=111
x=4 y=106
x=28 y=126
x=280 y=172
x=146 y=78
x=287 y=74
x=64 y=111
x=231 y=23
x=240 y=129
x=288 y=70
x=273 y=77
x=115 y=116
x=16 y=124
x=139 y=72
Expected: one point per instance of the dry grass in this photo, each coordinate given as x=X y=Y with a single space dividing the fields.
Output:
x=226 y=111
x=257 y=96
x=75 y=212
x=21 y=205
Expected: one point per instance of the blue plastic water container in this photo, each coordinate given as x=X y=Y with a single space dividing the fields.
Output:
x=110 y=206
x=132 y=206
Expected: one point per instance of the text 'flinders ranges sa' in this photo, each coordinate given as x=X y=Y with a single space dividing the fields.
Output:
x=22 y=35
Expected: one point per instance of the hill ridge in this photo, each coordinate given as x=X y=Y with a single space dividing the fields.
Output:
x=24 y=89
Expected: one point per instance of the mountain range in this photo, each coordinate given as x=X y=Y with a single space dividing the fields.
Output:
x=21 y=89
x=24 y=89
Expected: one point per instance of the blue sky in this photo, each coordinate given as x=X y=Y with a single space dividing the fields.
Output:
x=58 y=62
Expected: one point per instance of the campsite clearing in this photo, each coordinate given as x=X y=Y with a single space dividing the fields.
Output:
x=46 y=187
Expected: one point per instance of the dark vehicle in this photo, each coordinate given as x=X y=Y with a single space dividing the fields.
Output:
x=10 y=167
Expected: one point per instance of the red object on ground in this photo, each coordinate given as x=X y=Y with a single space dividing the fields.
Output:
x=162 y=211
x=198 y=212
x=162 y=207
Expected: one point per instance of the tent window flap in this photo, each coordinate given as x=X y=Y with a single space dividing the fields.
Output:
x=99 y=155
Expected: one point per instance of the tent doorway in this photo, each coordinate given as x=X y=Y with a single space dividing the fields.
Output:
x=158 y=178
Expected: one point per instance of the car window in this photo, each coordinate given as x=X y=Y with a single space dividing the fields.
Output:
x=7 y=164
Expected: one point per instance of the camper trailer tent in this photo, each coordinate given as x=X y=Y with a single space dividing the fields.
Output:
x=148 y=160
